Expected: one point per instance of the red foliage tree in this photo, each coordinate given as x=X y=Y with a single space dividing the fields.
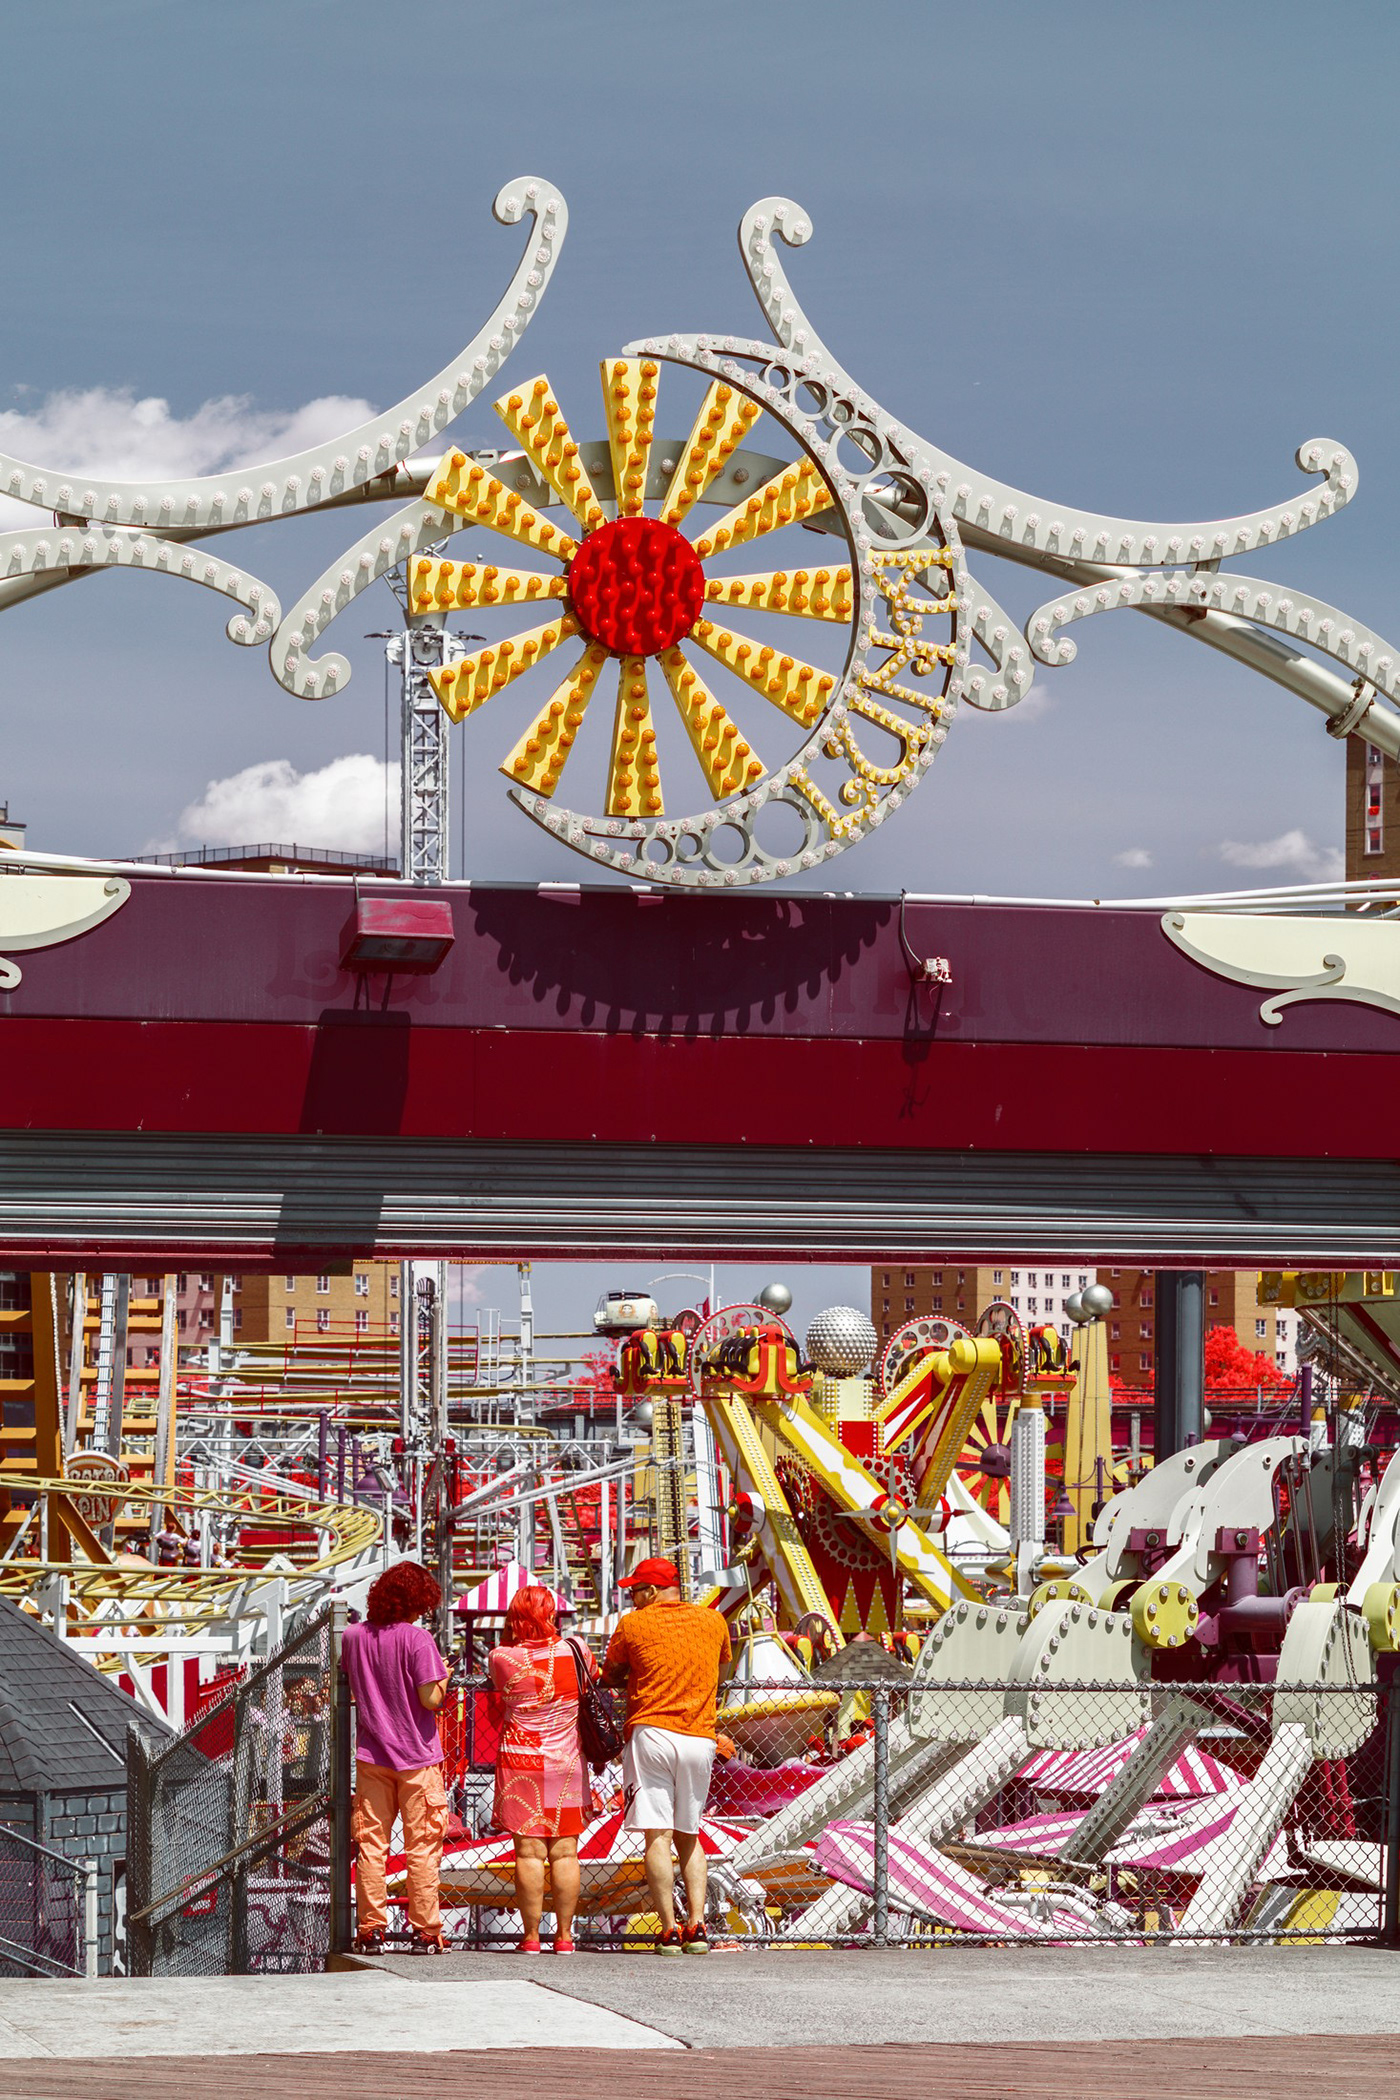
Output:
x=1231 y=1368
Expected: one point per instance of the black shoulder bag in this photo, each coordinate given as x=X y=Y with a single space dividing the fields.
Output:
x=598 y=1731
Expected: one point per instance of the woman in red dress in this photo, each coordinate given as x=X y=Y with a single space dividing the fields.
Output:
x=543 y=1794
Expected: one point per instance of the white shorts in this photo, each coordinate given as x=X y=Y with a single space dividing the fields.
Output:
x=665 y=1778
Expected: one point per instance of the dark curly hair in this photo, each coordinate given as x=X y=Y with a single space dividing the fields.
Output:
x=404 y=1591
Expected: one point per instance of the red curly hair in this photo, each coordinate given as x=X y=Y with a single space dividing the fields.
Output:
x=530 y=1616
x=404 y=1591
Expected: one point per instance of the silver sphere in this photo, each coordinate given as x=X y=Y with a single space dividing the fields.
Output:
x=775 y=1298
x=642 y=1415
x=1074 y=1309
x=1098 y=1300
x=841 y=1342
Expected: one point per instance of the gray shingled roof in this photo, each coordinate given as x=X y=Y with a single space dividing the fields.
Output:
x=60 y=1720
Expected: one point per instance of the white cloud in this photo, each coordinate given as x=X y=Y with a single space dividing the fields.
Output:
x=1293 y=852
x=1133 y=857
x=341 y=806
x=111 y=431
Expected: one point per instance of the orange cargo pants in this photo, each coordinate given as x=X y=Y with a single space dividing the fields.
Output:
x=419 y=1799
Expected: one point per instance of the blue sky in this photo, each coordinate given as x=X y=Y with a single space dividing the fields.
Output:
x=1124 y=257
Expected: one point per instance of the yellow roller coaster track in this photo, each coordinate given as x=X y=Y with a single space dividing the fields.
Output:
x=181 y=1598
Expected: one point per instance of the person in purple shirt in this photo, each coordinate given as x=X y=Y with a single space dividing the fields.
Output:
x=398 y=1681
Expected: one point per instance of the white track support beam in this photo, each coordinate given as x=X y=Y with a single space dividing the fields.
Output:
x=1236 y=1856
x=934 y=1813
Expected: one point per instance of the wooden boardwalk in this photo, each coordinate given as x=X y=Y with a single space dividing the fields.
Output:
x=1273 y=2067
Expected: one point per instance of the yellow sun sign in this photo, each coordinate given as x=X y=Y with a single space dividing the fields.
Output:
x=633 y=589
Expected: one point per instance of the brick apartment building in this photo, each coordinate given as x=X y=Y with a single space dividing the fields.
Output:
x=361 y=1301
x=1372 y=812
x=1231 y=1301
x=898 y=1294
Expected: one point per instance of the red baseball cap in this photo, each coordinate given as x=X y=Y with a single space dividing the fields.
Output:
x=660 y=1574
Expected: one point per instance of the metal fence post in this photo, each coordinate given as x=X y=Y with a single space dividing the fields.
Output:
x=881 y=1703
x=342 y=1779
x=90 y=1926
x=1391 y=1930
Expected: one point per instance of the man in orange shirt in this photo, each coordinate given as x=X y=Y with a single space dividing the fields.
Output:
x=669 y=1655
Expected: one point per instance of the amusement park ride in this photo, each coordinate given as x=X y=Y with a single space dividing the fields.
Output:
x=447 y=1068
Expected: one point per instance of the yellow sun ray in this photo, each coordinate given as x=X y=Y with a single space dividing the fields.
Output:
x=629 y=402
x=720 y=428
x=534 y=416
x=799 y=689
x=465 y=486
x=464 y=686
x=813 y=594
x=729 y=762
x=538 y=759
x=441 y=586
x=634 y=784
x=794 y=493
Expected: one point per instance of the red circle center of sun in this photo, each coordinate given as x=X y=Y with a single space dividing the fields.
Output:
x=636 y=586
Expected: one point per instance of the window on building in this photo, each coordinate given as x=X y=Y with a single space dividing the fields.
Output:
x=1115 y=1272
x=393 y=1323
x=885 y=1306
x=1032 y=1305
x=362 y=1284
x=1146 y=1298
x=1015 y=1303
x=394 y=1283
x=1373 y=756
x=962 y=1278
x=1373 y=838
x=1261 y=1329
x=206 y=1283
x=1115 y=1331
x=887 y=1326
x=237 y=1318
x=206 y=1319
x=1015 y=1278
x=908 y=1279
x=323 y=1319
x=291 y=1317
x=1114 y=1362
x=937 y=1305
x=1144 y=1330
x=289 y=1283
x=886 y=1279
x=182 y=1283
x=996 y=1275
x=1144 y=1363
x=1064 y=1283
x=936 y=1276
x=323 y=1285
x=1373 y=799
x=1083 y=1282
x=361 y=1319
x=909 y=1305
x=1214 y=1297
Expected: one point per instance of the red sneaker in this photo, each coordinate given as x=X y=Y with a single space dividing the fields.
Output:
x=669 y=1941
x=694 y=1940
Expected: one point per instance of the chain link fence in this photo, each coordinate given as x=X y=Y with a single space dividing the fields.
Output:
x=48 y=1910
x=899 y=1813
x=238 y=1831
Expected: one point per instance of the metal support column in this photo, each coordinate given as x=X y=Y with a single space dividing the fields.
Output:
x=1180 y=1363
x=342 y=1789
x=880 y=1702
